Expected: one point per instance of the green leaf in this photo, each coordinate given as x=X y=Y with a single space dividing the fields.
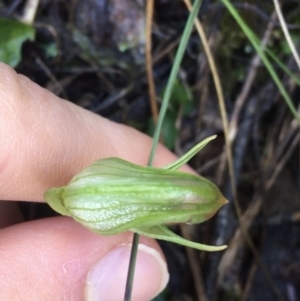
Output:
x=180 y=94
x=113 y=195
x=12 y=35
x=169 y=130
x=191 y=153
x=50 y=49
x=256 y=43
x=163 y=233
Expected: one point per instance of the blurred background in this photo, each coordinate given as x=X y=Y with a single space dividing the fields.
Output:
x=114 y=57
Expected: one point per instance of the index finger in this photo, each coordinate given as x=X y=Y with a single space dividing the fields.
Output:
x=46 y=140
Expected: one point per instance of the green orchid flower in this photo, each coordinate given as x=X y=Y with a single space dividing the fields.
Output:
x=113 y=195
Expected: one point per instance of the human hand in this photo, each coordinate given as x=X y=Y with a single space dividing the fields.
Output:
x=44 y=142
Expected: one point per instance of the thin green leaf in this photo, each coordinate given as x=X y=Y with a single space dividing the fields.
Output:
x=165 y=102
x=163 y=233
x=251 y=36
x=283 y=66
x=191 y=153
x=178 y=58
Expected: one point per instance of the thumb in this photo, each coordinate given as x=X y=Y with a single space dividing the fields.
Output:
x=60 y=260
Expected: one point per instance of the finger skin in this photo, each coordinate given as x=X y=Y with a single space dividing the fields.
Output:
x=45 y=141
x=50 y=259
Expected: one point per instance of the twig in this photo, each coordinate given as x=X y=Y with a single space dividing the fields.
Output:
x=165 y=51
x=219 y=91
x=149 y=60
x=244 y=230
x=57 y=85
x=30 y=10
x=240 y=101
x=249 y=282
x=286 y=32
x=281 y=164
x=195 y=267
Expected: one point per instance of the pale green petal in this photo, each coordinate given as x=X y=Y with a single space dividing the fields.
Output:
x=54 y=198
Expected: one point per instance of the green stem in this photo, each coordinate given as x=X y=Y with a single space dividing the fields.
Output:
x=131 y=268
x=178 y=58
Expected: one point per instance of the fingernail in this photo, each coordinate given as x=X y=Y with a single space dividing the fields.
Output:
x=106 y=279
